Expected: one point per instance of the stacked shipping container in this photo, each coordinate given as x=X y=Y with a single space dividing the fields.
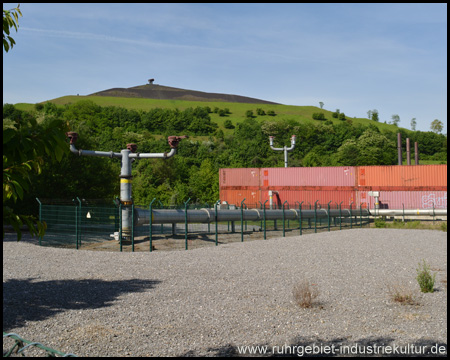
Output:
x=411 y=187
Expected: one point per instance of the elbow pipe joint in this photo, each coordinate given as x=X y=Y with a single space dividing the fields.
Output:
x=174 y=140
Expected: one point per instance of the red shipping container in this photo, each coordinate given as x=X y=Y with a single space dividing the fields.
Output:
x=309 y=197
x=403 y=176
x=239 y=177
x=308 y=176
x=408 y=199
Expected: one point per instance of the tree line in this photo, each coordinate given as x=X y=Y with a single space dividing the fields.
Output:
x=193 y=172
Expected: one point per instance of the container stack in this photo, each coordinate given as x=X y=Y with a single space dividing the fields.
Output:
x=397 y=187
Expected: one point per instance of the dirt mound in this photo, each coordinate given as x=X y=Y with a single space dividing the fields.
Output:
x=152 y=91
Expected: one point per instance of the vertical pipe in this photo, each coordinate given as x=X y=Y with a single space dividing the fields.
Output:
x=340 y=216
x=408 y=152
x=132 y=227
x=285 y=157
x=284 y=227
x=399 y=148
x=300 y=216
x=79 y=224
x=416 y=153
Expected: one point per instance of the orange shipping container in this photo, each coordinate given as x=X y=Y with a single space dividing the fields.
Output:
x=403 y=177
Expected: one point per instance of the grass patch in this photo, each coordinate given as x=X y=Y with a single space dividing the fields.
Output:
x=401 y=294
x=416 y=224
x=305 y=293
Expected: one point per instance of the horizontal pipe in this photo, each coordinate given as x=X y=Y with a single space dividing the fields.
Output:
x=93 y=153
x=207 y=215
x=409 y=212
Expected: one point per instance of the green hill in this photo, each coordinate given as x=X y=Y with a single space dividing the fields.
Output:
x=146 y=97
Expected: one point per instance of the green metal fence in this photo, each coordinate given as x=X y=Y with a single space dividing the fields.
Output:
x=90 y=224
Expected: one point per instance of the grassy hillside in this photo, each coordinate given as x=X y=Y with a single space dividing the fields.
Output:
x=238 y=110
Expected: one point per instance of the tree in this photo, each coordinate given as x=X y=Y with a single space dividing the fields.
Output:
x=395 y=119
x=375 y=115
x=436 y=126
x=413 y=124
x=369 y=114
x=321 y=104
x=8 y=23
x=25 y=146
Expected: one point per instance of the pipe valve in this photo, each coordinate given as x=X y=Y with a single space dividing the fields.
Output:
x=174 y=140
x=73 y=136
x=132 y=147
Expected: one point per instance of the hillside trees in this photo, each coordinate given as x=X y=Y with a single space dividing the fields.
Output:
x=193 y=172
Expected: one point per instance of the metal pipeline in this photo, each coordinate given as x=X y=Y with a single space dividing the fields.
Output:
x=165 y=216
x=208 y=215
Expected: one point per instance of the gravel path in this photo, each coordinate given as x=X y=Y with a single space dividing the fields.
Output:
x=211 y=301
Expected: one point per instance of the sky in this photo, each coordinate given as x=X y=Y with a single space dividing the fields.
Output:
x=351 y=57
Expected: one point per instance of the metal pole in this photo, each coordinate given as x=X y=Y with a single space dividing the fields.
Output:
x=242 y=220
x=315 y=216
x=40 y=219
x=340 y=216
x=215 y=217
x=284 y=227
x=151 y=222
x=329 y=219
x=265 y=219
x=300 y=216
x=186 y=225
x=416 y=153
x=399 y=148
x=120 y=226
x=408 y=152
x=351 y=217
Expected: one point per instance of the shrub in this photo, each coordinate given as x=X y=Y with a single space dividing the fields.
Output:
x=228 y=124
x=342 y=117
x=271 y=113
x=380 y=223
x=425 y=279
x=318 y=116
x=304 y=294
x=444 y=227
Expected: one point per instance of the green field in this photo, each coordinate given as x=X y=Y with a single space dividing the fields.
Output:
x=238 y=110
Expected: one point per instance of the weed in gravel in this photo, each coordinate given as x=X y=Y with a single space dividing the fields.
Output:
x=425 y=279
x=401 y=294
x=305 y=293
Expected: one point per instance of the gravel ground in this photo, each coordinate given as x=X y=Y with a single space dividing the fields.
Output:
x=212 y=301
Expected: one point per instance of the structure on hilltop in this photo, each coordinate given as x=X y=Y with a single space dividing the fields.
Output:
x=150 y=81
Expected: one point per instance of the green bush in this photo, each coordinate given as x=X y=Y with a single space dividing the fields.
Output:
x=380 y=223
x=425 y=279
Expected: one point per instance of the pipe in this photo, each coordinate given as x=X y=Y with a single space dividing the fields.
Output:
x=127 y=156
x=408 y=152
x=416 y=153
x=164 y=216
x=285 y=148
x=399 y=148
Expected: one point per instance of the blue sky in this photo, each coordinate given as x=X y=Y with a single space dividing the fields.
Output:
x=352 y=57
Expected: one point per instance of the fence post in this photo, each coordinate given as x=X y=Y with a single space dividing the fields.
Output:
x=215 y=216
x=315 y=216
x=284 y=227
x=351 y=216
x=150 y=212
x=300 y=217
x=186 y=224
x=132 y=227
x=403 y=215
x=264 y=211
x=40 y=219
x=120 y=226
x=360 y=215
x=242 y=220
x=329 y=219
x=340 y=216
x=78 y=222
